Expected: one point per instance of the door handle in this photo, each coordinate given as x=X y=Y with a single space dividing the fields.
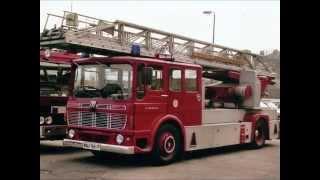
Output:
x=164 y=95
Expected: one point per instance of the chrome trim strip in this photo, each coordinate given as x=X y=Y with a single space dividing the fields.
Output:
x=104 y=147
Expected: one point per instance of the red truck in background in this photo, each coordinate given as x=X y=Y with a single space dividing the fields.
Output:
x=55 y=82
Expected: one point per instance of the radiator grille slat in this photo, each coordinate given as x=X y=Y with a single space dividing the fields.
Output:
x=105 y=120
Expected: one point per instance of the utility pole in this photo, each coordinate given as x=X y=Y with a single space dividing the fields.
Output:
x=71 y=7
x=214 y=22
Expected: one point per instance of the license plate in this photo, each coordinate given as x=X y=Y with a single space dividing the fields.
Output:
x=61 y=110
x=92 y=146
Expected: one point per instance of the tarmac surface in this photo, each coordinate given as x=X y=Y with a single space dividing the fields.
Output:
x=227 y=163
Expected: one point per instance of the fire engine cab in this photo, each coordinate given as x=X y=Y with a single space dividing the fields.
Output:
x=132 y=101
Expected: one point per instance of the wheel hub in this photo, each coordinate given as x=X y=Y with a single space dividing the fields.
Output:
x=167 y=143
x=257 y=133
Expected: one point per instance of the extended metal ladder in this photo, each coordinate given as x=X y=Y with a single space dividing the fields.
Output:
x=87 y=34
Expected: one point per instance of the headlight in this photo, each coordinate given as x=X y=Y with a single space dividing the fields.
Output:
x=119 y=139
x=41 y=120
x=48 y=120
x=47 y=53
x=71 y=133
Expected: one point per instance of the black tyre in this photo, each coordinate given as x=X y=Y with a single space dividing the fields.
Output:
x=167 y=146
x=259 y=138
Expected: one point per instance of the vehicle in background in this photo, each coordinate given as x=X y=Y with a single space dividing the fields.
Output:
x=271 y=103
x=55 y=83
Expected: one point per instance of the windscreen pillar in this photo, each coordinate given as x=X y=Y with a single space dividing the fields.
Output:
x=101 y=73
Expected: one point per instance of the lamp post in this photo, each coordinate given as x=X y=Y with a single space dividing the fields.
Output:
x=214 y=21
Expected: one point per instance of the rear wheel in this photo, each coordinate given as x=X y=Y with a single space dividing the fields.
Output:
x=259 y=138
x=167 y=146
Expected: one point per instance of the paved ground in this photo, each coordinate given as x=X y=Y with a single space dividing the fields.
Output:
x=231 y=163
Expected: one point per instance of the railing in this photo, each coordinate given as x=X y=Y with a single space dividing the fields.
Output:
x=153 y=41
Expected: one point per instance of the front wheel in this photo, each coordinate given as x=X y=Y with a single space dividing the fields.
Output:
x=167 y=146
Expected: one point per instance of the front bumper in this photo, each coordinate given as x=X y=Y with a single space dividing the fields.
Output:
x=53 y=131
x=103 y=147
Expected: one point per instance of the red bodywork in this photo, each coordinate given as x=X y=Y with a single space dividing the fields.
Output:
x=144 y=116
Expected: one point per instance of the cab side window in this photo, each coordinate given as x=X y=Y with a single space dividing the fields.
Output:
x=157 y=78
x=175 y=80
x=91 y=77
x=191 y=80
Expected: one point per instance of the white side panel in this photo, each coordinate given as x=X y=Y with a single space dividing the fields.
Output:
x=227 y=134
x=274 y=134
x=203 y=137
x=212 y=135
x=216 y=116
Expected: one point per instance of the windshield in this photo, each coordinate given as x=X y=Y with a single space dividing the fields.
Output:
x=54 y=79
x=112 y=81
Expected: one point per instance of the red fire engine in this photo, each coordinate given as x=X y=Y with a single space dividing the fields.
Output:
x=54 y=86
x=200 y=96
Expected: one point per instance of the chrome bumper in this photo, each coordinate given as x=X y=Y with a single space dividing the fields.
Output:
x=103 y=147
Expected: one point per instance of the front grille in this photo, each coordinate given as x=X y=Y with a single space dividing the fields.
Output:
x=109 y=120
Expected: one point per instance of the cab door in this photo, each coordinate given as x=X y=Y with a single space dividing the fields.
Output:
x=175 y=92
x=151 y=100
x=192 y=96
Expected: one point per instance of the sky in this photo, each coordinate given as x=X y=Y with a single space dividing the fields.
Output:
x=253 y=25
